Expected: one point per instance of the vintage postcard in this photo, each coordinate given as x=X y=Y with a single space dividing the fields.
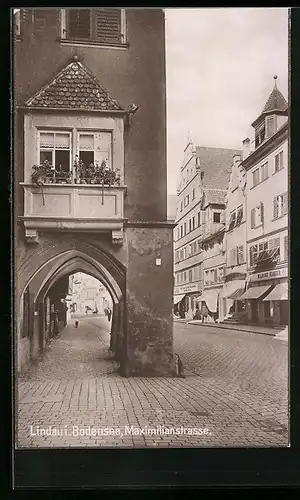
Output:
x=151 y=208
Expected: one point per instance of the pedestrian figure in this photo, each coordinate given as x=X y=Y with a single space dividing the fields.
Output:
x=108 y=313
x=204 y=312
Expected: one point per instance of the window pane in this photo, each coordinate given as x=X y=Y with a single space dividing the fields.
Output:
x=103 y=148
x=79 y=23
x=46 y=140
x=62 y=141
x=62 y=160
x=46 y=156
x=86 y=142
x=87 y=157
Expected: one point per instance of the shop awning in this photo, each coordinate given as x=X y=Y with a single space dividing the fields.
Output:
x=280 y=292
x=178 y=298
x=236 y=295
x=211 y=299
x=255 y=292
x=231 y=287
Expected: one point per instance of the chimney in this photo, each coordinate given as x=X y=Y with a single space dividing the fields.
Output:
x=246 y=148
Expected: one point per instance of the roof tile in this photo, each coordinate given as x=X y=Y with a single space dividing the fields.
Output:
x=216 y=164
x=74 y=87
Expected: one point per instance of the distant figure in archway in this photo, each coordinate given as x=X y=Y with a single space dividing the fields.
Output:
x=108 y=313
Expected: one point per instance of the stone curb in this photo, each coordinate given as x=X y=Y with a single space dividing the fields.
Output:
x=229 y=327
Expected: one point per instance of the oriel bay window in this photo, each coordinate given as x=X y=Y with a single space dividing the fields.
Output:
x=105 y=26
x=80 y=156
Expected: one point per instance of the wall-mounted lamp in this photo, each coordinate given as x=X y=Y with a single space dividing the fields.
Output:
x=158 y=253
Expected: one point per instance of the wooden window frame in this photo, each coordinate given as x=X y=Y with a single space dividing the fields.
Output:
x=64 y=36
x=279 y=156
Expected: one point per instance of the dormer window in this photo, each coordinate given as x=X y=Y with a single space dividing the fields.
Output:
x=270 y=126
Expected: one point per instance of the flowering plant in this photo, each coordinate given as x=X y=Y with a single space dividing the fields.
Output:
x=40 y=173
x=95 y=173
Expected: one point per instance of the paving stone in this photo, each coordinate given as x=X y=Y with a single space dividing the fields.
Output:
x=236 y=388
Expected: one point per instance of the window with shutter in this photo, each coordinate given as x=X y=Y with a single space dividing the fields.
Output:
x=255 y=177
x=286 y=248
x=107 y=25
x=270 y=126
x=261 y=213
x=102 y=25
x=253 y=253
x=239 y=216
x=232 y=221
x=240 y=254
x=193 y=223
x=253 y=218
x=285 y=203
x=79 y=24
x=264 y=171
x=275 y=208
x=198 y=219
x=279 y=161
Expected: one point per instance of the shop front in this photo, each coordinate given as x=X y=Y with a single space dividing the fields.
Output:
x=267 y=297
x=231 y=303
x=210 y=304
x=186 y=300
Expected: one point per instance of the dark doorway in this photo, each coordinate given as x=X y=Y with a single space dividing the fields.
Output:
x=254 y=311
x=284 y=312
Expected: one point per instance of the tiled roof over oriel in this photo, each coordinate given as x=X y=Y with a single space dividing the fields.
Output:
x=74 y=88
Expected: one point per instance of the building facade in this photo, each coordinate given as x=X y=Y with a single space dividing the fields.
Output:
x=267 y=215
x=203 y=170
x=90 y=176
x=86 y=294
x=235 y=240
x=213 y=227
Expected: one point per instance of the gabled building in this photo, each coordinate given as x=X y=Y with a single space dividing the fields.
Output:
x=213 y=228
x=267 y=214
x=235 y=239
x=90 y=175
x=202 y=169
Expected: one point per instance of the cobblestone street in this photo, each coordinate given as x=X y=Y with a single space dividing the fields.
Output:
x=236 y=388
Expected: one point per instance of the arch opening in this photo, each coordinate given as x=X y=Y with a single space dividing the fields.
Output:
x=47 y=306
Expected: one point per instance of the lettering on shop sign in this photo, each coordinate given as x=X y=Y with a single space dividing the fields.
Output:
x=271 y=274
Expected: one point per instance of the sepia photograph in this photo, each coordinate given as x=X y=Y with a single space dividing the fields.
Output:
x=151 y=158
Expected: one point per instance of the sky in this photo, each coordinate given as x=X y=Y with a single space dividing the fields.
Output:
x=220 y=65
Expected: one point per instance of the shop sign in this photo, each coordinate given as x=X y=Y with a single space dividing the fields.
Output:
x=266 y=275
x=186 y=289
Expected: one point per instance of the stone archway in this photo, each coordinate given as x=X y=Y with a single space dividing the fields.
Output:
x=60 y=260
